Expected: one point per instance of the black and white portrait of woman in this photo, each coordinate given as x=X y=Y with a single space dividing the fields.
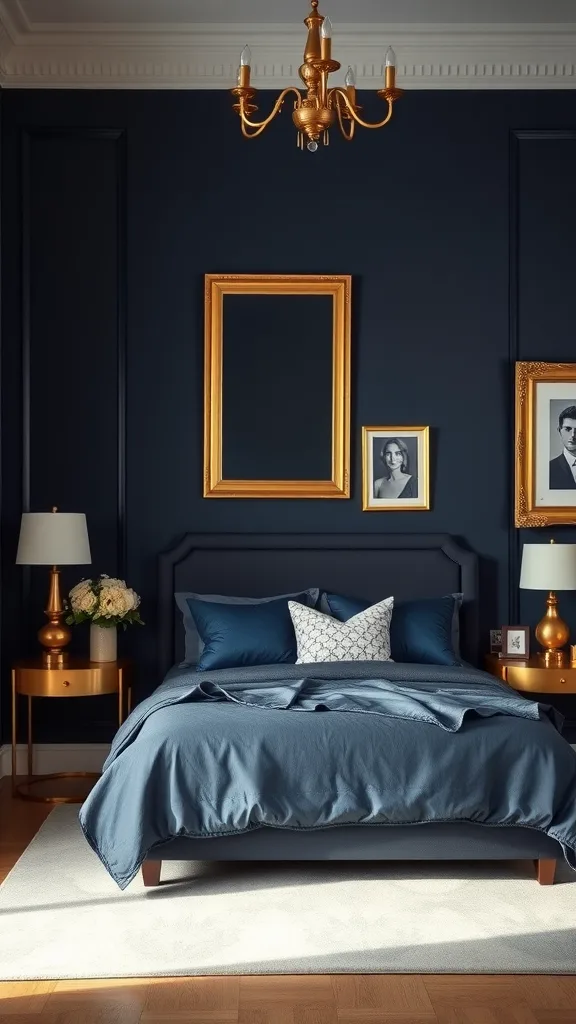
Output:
x=395 y=468
x=399 y=477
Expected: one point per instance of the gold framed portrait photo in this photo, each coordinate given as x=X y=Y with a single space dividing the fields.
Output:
x=395 y=469
x=545 y=444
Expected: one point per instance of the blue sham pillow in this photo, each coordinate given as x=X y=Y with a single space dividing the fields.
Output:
x=193 y=642
x=425 y=631
x=244 y=634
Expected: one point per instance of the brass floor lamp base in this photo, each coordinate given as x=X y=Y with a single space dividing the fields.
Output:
x=19 y=788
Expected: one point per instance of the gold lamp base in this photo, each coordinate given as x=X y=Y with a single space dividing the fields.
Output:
x=55 y=634
x=552 y=632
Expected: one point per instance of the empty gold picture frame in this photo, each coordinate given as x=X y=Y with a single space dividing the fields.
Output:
x=545 y=484
x=217 y=287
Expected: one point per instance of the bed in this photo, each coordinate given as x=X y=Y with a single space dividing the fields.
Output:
x=371 y=566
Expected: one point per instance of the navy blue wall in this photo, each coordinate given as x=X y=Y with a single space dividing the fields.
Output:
x=115 y=204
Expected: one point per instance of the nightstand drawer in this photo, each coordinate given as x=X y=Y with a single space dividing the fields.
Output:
x=68 y=682
x=541 y=680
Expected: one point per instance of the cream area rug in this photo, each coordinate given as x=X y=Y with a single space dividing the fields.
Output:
x=61 y=916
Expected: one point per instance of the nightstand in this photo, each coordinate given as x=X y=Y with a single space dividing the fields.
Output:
x=77 y=678
x=533 y=675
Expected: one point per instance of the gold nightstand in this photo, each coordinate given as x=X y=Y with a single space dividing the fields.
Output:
x=533 y=675
x=77 y=678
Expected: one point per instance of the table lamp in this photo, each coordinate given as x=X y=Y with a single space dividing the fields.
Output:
x=550 y=567
x=54 y=538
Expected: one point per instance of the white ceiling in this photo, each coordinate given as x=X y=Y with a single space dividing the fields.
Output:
x=195 y=44
x=173 y=12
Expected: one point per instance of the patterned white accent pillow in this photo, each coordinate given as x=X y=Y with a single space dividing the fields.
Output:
x=364 y=637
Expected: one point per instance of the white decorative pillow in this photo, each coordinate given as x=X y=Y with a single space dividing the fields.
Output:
x=364 y=637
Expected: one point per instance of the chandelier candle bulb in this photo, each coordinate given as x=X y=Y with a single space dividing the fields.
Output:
x=326 y=28
x=390 y=68
x=350 y=82
x=326 y=39
x=244 y=69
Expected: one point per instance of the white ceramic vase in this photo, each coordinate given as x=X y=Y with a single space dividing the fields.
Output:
x=103 y=643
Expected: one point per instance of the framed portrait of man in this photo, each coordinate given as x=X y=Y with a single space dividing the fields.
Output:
x=395 y=473
x=545 y=444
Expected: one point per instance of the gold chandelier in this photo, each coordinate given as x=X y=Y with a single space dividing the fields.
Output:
x=315 y=112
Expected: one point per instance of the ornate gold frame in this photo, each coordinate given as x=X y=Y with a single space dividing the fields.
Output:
x=526 y=512
x=424 y=476
x=218 y=285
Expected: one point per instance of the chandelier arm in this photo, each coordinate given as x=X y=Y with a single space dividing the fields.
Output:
x=338 y=92
x=347 y=135
x=264 y=124
x=251 y=135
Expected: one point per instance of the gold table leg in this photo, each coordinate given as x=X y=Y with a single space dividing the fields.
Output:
x=14 y=732
x=18 y=790
x=22 y=790
x=30 y=746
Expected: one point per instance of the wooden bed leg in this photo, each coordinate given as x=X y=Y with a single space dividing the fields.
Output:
x=151 y=872
x=546 y=869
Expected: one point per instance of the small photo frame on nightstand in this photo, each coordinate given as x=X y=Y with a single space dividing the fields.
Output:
x=515 y=642
x=495 y=641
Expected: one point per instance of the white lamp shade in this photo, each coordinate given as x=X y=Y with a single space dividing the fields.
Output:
x=53 y=538
x=548 y=567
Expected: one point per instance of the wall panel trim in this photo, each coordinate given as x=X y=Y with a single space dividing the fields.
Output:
x=117 y=135
x=513 y=350
x=517 y=136
x=122 y=329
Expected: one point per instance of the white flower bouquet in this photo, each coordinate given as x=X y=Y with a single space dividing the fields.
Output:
x=104 y=601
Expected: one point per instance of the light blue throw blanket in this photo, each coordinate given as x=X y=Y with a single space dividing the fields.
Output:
x=222 y=752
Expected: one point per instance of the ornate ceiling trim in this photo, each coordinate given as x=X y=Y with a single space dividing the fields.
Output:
x=206 y=56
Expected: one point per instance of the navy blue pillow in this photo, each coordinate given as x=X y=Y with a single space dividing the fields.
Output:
x=244 y=634
x=424 y=631
x=192 y=642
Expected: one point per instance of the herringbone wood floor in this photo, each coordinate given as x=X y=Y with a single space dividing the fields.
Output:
x=309 y=999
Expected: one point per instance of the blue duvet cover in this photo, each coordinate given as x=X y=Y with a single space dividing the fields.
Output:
x=313 y=746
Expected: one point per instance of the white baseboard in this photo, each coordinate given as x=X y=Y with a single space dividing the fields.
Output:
x=55 y=757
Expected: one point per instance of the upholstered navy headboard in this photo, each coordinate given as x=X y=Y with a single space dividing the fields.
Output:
x=370 y=566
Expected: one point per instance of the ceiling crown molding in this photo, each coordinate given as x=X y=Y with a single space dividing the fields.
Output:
x=206 y=56
x=9 y=32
